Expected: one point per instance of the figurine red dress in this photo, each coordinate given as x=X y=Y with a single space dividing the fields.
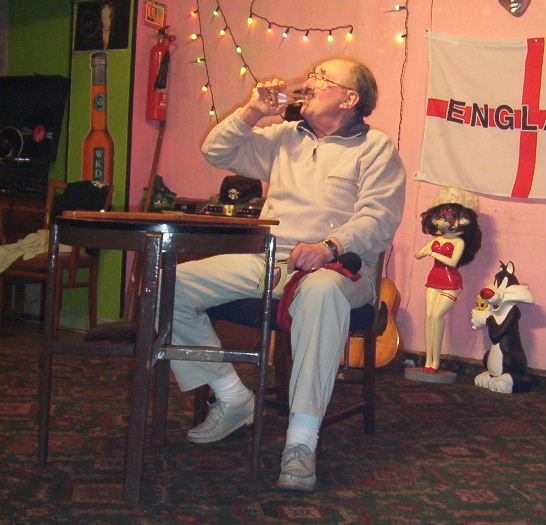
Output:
x=443 y=276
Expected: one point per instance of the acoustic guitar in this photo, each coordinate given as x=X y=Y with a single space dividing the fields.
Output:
x=388 y=343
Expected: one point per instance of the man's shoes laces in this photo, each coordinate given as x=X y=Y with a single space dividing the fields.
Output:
x=297 y=469
x=223 y=419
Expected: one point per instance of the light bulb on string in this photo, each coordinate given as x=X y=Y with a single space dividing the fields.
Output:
x=199 y=60
x=194 y=13
x=205 y=88
x=285 y=32
x=194 y=36
x=400 y=38
x=250 y=20
x=330 y=37
x=305 y=37
x=212 y=111
x=216 y=12
x=243 y=71
x=269 y=28
x=223 y=31
x=349 y=35
x=238 y=50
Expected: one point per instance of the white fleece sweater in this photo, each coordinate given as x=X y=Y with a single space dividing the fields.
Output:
x=349 y=185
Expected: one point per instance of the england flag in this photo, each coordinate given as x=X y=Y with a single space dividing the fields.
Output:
x=485 y=116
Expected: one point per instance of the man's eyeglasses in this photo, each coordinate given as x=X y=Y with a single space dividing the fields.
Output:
x=318 y=76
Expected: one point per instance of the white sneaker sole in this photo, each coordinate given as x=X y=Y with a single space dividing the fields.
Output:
x=211 y=439
x=307 y=485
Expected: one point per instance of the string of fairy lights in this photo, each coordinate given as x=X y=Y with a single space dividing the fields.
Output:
x=225 y=30
x=254 y=19
x=305 y=32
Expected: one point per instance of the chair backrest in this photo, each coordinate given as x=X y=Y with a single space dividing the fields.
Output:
x=80 y=195
x=61 y=196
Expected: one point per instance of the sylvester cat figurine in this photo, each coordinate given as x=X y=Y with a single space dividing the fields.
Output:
x=505 y=361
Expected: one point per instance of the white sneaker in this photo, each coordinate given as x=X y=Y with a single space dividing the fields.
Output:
x=297 y=469
x=223 y=419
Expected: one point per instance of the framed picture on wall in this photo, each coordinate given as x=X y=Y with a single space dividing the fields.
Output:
x=102 y=24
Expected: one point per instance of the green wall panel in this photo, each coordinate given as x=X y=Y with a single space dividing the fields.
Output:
x=40 y=41
x=119 y=72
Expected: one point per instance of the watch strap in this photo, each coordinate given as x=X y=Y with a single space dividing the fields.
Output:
x=331 y=245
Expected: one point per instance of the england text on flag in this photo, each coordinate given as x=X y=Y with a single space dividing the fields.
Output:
x=485 y=117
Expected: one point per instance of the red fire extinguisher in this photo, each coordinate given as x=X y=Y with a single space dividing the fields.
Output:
x=156 y=101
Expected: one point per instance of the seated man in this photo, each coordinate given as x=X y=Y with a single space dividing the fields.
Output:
x=336 y=186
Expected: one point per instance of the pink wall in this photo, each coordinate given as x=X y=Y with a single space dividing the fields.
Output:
x=513 y=229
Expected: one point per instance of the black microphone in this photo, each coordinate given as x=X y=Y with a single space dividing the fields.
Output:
x=350 y=261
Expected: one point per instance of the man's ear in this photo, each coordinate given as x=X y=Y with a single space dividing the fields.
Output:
x=351 y=100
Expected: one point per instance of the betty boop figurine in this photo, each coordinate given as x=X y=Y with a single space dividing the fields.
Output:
x=457 y=238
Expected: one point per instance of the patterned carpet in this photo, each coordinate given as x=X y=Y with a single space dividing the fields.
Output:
x=441 y=454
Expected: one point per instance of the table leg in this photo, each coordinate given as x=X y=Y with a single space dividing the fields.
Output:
x=166 y=307
x=46 y=356
x=264 y=349
x=142 y=376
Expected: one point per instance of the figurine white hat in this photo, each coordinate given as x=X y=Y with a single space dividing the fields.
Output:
x=450 y=194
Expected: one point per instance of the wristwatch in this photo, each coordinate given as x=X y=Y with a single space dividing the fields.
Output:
x=331 y=245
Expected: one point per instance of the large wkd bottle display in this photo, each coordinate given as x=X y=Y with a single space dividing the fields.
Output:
x=98 y=146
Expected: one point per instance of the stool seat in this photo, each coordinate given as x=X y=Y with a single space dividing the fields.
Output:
x=248 y=312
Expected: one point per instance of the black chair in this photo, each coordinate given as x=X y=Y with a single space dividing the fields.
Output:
x=368 y=321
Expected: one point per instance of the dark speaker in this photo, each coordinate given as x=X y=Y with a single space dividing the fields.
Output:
x=31 y=115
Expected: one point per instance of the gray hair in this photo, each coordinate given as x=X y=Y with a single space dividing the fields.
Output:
x=366 y=87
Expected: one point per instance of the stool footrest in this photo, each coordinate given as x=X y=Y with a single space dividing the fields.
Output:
x=207 y=353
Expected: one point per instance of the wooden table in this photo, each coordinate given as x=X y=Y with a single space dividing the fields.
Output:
x=159 y=237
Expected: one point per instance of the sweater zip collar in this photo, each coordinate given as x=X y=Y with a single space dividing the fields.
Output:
x=355 y=127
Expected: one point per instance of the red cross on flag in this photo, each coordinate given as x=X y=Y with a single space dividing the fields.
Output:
x=485 y=116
